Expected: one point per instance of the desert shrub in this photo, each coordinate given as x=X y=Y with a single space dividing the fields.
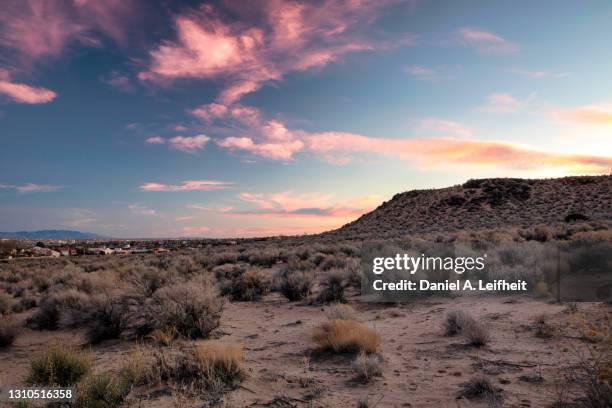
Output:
x=221 y=258
x=332 y=286
x=354 y=272
x=47 y=316
x=346 y=336
x=542 y=233
x=145 y=281
x=5 y=303
x=367 y=367
x=455 y=321
x=541 y=327
x=350 y=249
x=476 y=334
x=192 y=308
x=477 y=387
x=295 y=285
x=105 y=320
x=101 y=391
x=58 y=366
x=251 y=285
x=296 y=263
x=210 y=365
x=8 y=331
x=183 y=265
x=27 y=303
x=331 y=262
x=225 y=274
x=341 y=311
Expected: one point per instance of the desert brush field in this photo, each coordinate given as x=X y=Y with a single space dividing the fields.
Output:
x=279 y=323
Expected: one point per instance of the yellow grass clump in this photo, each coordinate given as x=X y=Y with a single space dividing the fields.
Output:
x=216 y=364
x=346 y=336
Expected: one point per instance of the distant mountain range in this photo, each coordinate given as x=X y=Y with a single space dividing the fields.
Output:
x=50 y=234
x=487 y=204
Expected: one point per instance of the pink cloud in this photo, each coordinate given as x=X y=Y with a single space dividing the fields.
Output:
x=36 y=188
x=486 y=42
x=243 y=55
x=188 y=144
x=274 y=141
x=246 y=115
x=446 y=152
x=155 y=140
x=590 y=114
x=211 y=209
x=22 y=93
x=119 y=81
x=35 y=29
x=306 y=205
x=191 y=185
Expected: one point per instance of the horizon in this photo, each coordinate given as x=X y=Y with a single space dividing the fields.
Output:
x=193 y=119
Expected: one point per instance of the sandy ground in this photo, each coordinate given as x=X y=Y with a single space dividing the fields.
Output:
x=421 y=367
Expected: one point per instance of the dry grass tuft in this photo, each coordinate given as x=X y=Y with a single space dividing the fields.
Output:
x=59 y=367
x=367 y=367
x=476 y=334
x=101 y=390
x=456 y=321
x=346 y=336
x=478 y=387
x=211 y=365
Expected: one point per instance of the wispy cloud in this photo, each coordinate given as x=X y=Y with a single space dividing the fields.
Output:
x=504 y=103
x=38 y=188
x=539 y=74
x=191 y=185
x=431 y=74
x=211 y=209
x=141 y=210
x=36 y=29
x=422 y=73
x=485 y=41
x=155 y=140
x=247 y=53
x=589 y=114
x=32 y=188
x=188 y=144
x=22 y=93
x=443 y=127
x=274 y=141
x=119 y=81
x=246 y=115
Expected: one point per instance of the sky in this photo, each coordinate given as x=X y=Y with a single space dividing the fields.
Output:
x=134 y=118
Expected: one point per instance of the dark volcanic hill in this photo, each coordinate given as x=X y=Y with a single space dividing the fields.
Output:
x=488 y=203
